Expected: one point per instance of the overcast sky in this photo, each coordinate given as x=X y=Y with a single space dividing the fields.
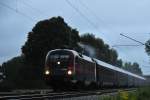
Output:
x=104 y=18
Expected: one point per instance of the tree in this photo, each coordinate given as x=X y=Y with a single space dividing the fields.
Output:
x=134 y=68
x=20 y=74
x=147 y=47
x=47 y=35
x=119 y=63
x=102 y=51
x=12 y=70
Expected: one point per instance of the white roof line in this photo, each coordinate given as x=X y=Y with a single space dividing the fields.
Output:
x=118 y=69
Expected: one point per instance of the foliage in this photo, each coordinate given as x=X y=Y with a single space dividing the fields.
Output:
x=147 y=47
x=119 y=63
x=134 y=68
x=102 y=50
x=12 y=68
x=140 y=94
x=19 y=74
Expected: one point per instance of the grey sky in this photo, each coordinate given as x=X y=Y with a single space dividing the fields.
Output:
x=111 y=17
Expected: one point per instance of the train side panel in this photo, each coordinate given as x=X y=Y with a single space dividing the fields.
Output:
x=84 y=70
x=105 y=77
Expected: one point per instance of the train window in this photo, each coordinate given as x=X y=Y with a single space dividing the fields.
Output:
x=59 y=55
x=56 y=56
x=60 y=58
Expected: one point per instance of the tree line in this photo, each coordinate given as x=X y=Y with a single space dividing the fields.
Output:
x=51 y=34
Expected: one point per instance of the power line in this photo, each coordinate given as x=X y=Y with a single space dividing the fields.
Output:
x=86 y=7
x=125 y=45
x=35 y=9
x=95 y=15
x=16 y=5
x=80 y=13
x=17 y=11
x=132 y=39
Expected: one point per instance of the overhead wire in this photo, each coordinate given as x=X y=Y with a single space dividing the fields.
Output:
x=81 y=14
x=132 y=39
x=95 y=15
x=17 y=11
x=125 y=45
x=33 y=8
x=16 y=5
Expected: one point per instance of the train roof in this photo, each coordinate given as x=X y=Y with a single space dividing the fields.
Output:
x=106 y=65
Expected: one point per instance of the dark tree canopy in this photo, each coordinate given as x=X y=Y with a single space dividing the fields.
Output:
x=12 y=68
x=47 y=35
x=102 y=50
x=147 y=47
x=20 y=75
x=119 y=63
x=134 y=68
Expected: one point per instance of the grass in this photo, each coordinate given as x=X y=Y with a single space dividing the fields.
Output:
x=140 y=94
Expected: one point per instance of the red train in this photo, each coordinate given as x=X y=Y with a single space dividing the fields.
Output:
x=68 y=66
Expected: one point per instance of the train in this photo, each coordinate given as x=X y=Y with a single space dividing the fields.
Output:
x=70 y=67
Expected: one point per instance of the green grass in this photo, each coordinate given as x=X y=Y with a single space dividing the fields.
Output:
x=140 y=94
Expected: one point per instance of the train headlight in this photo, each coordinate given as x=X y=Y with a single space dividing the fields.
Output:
x=47 y=72
x=69 y=72
x=58 y=62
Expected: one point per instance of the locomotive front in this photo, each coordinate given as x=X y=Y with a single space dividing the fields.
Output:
x=59 y=66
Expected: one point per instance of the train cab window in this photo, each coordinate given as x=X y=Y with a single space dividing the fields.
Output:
x=59 y=58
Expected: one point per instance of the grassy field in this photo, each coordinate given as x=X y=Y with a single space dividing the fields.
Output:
x=139 y=94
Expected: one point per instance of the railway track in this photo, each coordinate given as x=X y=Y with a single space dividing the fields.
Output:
x=59 y=95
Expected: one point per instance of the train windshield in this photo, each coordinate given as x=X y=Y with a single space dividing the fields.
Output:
x=59 y=58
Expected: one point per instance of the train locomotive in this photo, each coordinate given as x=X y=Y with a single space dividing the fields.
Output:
x=68 y=66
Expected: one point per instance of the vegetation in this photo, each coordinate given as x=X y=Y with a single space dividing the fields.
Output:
x=102 y=51
x=139 y=94
x=20 y=75
x=26 y=71
x=147 y=47
x=134 y=68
